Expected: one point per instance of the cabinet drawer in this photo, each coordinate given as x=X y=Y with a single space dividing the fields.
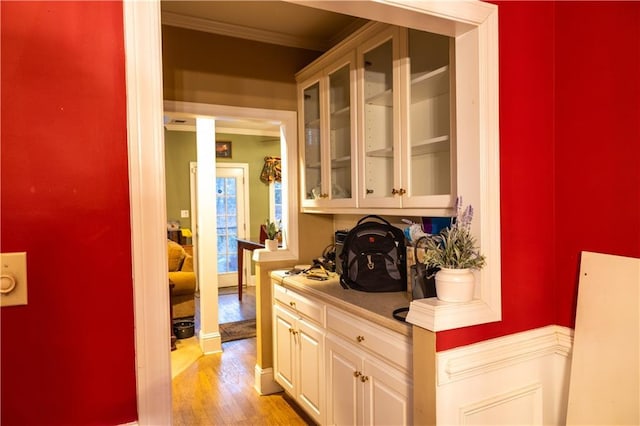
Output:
x=381 y=341
x=302 y=305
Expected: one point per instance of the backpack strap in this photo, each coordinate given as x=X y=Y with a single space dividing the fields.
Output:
x=373 y=216
x=415 y=248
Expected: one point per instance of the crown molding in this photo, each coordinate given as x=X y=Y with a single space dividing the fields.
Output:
x=239 y=31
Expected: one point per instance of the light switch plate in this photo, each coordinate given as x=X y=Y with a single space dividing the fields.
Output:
x=184 y=213
x=14 y=269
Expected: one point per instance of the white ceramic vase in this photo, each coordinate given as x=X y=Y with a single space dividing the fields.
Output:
x=271 y=245
x=455 y=285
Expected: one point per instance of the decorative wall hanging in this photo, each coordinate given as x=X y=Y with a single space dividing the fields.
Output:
x=223 y=149
x=272 y=170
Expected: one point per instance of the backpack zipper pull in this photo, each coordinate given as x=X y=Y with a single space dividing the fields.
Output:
x=370 y=264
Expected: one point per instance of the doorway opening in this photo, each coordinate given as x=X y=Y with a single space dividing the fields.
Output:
x=217 y=220
x=232 y=218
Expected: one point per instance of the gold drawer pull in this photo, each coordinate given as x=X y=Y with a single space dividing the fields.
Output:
x=292 y=304
x=360 y=339
x=364 y=378
x=357 y=374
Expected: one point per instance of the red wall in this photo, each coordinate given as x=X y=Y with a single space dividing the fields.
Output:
x=597 y=149
x=68 y=356
x=570 y=154
x=570 y=144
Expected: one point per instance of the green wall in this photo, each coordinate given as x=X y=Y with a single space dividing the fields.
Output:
x=180 y=149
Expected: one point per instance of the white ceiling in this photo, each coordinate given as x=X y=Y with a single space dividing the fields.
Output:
x=275 y=22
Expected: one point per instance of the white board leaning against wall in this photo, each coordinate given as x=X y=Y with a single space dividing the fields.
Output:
x=604 y=388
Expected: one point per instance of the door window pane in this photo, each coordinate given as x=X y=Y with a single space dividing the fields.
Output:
x=227 y=224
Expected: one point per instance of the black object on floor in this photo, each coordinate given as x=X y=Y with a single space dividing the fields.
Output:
x=183 y=329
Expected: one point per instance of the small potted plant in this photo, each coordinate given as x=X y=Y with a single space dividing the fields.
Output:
x=455 y=252
x=273 y=232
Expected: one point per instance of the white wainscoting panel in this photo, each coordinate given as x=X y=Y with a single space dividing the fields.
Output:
x=520 y=379
x=520 y=406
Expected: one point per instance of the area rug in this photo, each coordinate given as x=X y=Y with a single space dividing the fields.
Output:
x=238 y=330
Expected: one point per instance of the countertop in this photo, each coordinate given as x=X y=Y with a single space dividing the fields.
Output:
x=375 y=307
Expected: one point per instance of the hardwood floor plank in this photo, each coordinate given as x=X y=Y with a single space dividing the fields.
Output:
x=218 y=390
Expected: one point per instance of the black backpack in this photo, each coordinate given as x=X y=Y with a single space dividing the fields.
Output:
x=374 y=257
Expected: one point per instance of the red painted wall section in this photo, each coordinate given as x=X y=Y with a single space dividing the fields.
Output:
x=570 y=154
x=597 y=150
x=68 y=356
x=526 y=173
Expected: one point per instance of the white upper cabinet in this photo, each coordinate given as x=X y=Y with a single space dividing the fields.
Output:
x=378 y=123
x=327 y=122
x=379 y=119
x=428 y=161
x=406 y=115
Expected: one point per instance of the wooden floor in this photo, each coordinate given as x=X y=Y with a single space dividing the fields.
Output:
x=218 y=389
x=231 y=309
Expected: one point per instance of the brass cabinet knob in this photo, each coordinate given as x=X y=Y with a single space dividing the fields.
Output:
x=360 y=339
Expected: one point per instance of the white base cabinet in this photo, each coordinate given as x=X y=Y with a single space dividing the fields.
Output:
x=363 y=390
x=299 y=352
x=340 y=368
x=368 y=372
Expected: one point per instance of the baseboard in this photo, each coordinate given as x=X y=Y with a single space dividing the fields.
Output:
x=210 y=343
x=265 y=383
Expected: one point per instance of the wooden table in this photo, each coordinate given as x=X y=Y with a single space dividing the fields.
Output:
x=245 y=244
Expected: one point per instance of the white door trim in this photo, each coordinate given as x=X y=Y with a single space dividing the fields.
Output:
x=145 y=135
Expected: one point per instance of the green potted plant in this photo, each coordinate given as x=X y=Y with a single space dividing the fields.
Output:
x=273 y=233
x=455 y=252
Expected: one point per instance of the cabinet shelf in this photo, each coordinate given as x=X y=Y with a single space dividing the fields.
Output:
x=312 y=124
x=431 y=145
x=425 y=146
x=381 y=99
x=340 y=119
x=341 y=162
x=430 y=84
x=381 y=153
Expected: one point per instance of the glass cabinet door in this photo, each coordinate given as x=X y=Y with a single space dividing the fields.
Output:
x=429 y=172
x=340 y=111
x=378 y=114
x=312 y=147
